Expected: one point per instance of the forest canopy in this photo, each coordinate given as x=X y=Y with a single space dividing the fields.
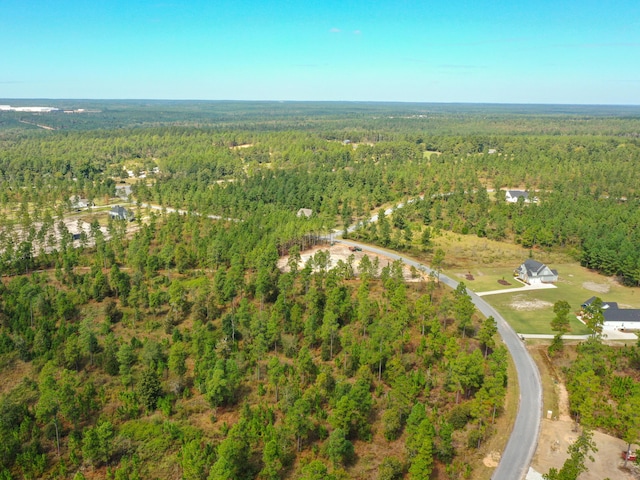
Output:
x=174 y=344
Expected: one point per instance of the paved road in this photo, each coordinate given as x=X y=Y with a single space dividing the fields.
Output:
x=522 y=444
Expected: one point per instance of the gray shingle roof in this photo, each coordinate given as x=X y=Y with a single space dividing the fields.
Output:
x=518 y=193
x=533 y=266
x=621 y=315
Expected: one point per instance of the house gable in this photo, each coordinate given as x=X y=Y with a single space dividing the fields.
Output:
x=532 y=271
x=304 y=212
x=121 y=213
x=512 y=196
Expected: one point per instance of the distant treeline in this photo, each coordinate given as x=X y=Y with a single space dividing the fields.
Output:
x=343 y=160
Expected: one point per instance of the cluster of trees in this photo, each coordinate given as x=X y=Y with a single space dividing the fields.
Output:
x=604 y=388
x=190 y=315
x=375 y=120
x=603 y=385
x=584 y=179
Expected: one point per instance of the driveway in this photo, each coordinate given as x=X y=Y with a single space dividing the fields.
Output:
x=524 y=288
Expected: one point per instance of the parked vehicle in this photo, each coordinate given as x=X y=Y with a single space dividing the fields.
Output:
x=631 y=457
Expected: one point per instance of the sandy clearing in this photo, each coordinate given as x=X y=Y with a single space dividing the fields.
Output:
x=597 y=287
x=492 y=459
x=340 y=251
x=529 y=305
x=557 y=433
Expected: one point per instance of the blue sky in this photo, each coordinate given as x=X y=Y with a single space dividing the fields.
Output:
x=560 y=51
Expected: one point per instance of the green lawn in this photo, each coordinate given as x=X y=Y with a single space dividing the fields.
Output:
x=534 y=319
x=485 y=278
x=532 y=311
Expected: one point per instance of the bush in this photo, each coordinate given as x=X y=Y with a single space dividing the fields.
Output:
x=97 y=443
x=460 y=415
x=392 y=423
x=338 y=448
x=390 y=469
x=475 y=437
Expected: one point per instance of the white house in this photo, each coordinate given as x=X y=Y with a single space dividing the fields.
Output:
x=512 y=196
x=121 y=213
x=123 y=191
x=78 y=203
x=534 y=272
x=304 y=212
x=616 y=318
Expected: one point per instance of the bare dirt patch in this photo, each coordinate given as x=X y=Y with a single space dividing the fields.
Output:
x=557 y=433
x=563 y=403
x=597 y=287
x=521 y=304
x=13 y=372
x=491 y=460
x=340 y=251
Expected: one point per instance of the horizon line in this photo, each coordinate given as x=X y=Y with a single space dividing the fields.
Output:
x=407 y=102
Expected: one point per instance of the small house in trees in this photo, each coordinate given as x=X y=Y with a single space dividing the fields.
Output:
x=304 y=212
x=121 y=213
x=617 y=318
x=123 y=191
x=79 y=203
x=512 y=196
x=534 y=272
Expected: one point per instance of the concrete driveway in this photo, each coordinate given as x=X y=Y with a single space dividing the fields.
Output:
x=524 y=288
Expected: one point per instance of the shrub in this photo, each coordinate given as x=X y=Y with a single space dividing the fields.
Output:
x=390 y=469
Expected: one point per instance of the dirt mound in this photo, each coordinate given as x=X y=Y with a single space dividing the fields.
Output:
x=492 y=459
x=528 y=305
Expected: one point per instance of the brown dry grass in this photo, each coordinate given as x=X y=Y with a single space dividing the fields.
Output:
x=371 y=454
x=13 y=371
x=486 y=455
x=467 y=252
x=549 y=378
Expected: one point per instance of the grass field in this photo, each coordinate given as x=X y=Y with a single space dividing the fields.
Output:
x=528 y=312
x=468 y=253
x=532 y=312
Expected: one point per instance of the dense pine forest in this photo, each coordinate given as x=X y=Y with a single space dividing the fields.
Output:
x=174 y=346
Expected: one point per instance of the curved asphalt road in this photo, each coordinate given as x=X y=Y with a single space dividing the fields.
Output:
x=522 y=443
